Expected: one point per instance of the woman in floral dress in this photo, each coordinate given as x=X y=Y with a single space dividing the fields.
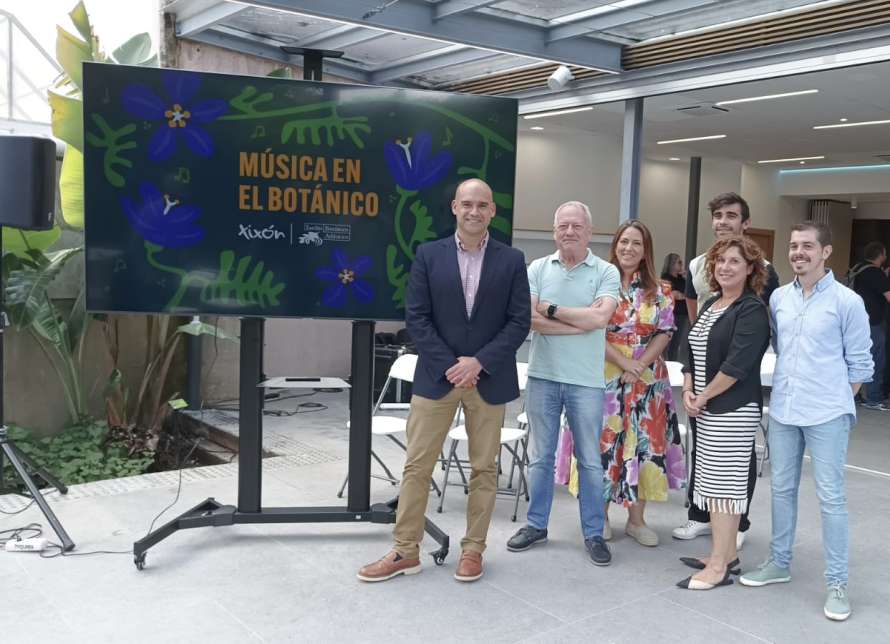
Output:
x=640 y=442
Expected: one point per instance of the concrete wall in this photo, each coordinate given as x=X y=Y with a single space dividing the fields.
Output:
x=872 y=210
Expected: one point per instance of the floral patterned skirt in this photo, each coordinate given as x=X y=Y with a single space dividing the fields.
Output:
x=640 y=441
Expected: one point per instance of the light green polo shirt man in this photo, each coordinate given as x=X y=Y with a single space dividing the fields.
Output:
x=571 y=359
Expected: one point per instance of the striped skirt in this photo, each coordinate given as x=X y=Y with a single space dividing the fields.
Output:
x=723 y=444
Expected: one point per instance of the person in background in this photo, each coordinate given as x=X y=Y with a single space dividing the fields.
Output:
x=724 y=400
x=640 y=441
x=730 y=217
x=673 y=272
x=822 y=357
x=871 y=283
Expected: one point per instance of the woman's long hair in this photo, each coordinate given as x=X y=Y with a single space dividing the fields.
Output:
x=668 y=266
x=646 y=270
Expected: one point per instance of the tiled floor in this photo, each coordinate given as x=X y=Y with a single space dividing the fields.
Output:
x=283 y=583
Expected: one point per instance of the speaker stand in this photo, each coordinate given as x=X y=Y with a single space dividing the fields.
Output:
x=21 y=463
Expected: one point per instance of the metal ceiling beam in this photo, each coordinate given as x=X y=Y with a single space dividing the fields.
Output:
x=619 y=17
x=428 y=61
x=447 y=8
x=417 y=18
x=341 y=37
x=207 y=18
x=245 y=43
x=846 y=49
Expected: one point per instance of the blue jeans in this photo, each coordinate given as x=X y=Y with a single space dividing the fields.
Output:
x=828 y=450
x=875 y=389
x=545 y=400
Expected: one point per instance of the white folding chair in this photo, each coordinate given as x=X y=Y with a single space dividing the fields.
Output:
x=513 y=439
x=767 y=367
x=676 y=377
x=390 y=426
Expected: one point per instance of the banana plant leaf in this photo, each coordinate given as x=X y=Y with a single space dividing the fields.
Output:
x=71 y=188
x=25 y=293
x=20 y=242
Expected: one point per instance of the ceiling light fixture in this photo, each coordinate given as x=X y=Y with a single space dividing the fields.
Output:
x=844 y=120
x=768 y=97
x=571 y=110
x=856 y=124
x=801 y=159
x=843 y=168
x=694 y=138
x=536 y=127
x=674 y=159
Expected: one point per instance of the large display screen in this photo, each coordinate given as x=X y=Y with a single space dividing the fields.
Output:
x=218 y=194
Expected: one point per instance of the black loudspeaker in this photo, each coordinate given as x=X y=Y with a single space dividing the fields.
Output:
x=27 y=182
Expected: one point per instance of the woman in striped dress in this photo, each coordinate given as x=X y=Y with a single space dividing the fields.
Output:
x=722 y=394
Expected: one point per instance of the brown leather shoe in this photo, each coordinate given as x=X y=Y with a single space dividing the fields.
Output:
x=469 y=568
x=392 y=565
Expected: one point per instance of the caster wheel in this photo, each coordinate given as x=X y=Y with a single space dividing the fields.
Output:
x=439 y=557
x=139 y=561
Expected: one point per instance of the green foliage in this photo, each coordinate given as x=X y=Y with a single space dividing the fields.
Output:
x=19 y=242
x=82 y=453
x=27 y=279
x=281 y=72
x=66 y=102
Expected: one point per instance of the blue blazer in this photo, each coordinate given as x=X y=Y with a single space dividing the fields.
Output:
x=436 y=318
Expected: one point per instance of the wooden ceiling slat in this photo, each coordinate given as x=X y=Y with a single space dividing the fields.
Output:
x=854 y=14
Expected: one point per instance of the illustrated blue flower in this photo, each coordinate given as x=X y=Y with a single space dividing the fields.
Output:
x=345 y=276
x=183 y=117
x=410 y=162
x=161 y=220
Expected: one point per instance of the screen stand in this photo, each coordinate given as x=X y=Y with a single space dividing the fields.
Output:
x=250 y=441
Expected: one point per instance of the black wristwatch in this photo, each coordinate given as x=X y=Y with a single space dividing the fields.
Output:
x=551 y=311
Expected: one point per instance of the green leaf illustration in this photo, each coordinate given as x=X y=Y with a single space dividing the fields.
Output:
x=423 y=225
x=503 y=200
x=397 y=276
x=233 y=285
x=501 y=224
x=111 y=140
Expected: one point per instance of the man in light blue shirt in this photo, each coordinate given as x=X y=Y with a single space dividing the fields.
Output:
x=822 y=342
x=573 y=296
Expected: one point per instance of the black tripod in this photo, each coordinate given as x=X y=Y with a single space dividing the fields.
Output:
x=21 y=463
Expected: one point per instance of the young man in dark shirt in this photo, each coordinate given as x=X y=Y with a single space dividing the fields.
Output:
x=873 y=286
x=730 y=216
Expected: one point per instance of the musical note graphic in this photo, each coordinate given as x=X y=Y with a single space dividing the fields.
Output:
x=449 y=136
x=260 y=131
x=183 y=175
x=107 y=97
x=119 y=265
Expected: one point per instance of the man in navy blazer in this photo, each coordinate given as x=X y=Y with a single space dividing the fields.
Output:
x=468 y=311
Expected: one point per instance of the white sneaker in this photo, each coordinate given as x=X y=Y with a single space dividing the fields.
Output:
x=691 y=529
x=740 y=540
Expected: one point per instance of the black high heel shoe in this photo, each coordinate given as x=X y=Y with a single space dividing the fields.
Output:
x=698 y=564
x=694 y=584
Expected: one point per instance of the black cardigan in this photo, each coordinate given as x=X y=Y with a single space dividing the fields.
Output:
x=736 y=345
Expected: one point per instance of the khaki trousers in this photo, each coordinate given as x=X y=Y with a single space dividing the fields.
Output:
x=428 y=425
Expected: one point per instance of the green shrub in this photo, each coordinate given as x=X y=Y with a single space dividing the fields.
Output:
x=80 y=454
